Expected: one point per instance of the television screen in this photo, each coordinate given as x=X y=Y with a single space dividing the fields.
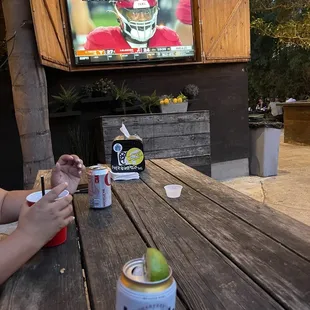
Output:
x=105 y=31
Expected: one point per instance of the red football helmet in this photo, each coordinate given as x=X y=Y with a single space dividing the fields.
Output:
x=138 y=18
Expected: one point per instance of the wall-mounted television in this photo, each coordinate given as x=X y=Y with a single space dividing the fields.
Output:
x=131 y=31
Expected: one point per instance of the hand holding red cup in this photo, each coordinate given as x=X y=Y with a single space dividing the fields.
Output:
x=47 y=219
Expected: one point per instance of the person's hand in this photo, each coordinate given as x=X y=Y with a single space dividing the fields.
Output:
x=68 y=169
x=42 y=221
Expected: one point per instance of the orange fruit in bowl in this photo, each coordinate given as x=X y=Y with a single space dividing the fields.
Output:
x=161 y=102
x=180 y=100
x=175 y=100
x=166 y=101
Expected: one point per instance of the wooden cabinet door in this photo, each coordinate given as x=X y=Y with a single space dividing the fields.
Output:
x=225 y=30
x=49 y=27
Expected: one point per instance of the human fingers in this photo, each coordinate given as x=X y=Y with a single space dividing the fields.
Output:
x=66 y=212
x=78 y=162
x=68 y=220
x=64 y=159
x=56 y=168
x=55 y=192
x=62 y=203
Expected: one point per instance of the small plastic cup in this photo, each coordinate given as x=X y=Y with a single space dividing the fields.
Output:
x=173 y=190
x=61 y=236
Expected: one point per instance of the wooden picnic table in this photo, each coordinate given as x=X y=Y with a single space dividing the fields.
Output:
x=227 y=251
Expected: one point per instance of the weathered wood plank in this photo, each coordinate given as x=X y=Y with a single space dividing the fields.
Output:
x=287 y=231
x=39 y=283
x=170 y=143
x=279 y=271
x=200 y=151
x=206 y=279
x=108 y=240
x=159 y=130
x=160 y=118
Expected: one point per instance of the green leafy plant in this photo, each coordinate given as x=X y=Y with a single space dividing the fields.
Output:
x=147 y=102
x=191 y=91
x=86 y=91
x=67 y=98
x=102 y=88
x=125 y=96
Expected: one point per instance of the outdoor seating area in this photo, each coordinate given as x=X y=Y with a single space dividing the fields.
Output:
x=155 y=155
x=226 y=250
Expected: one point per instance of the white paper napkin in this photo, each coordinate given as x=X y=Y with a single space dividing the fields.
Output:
x=125 y=176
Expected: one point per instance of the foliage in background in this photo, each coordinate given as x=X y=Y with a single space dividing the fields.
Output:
x=191 y=91
x=125 y=96
x=102 y=88
x=288 y=21
x=148 y=102
x=280 y=49
x=67 y=98
x=82 y=143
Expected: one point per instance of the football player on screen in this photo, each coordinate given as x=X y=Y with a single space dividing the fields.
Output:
x=184 y=25
x=138 y=28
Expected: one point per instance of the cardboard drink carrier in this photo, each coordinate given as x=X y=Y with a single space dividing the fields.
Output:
x=127 y=153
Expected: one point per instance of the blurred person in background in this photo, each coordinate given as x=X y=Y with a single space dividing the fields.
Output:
x=184 y=26
x=81 y=22
x=260 y=107
x=276 y=110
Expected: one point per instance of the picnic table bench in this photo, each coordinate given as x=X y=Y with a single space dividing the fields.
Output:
x=227 y=251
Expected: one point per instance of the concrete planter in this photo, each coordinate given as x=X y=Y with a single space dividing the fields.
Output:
x=264 y=148
x=174 y=107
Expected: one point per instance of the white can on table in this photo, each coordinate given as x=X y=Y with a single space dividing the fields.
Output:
x=134 y=293
x=99 y=187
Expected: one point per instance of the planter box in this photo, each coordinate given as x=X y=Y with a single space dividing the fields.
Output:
x=264 y=148
x=174 y=107
x=184 y=136
x=64 y=114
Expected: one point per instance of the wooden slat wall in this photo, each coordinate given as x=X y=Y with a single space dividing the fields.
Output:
x=185 y=136
x=49 y=31
x=225 y=30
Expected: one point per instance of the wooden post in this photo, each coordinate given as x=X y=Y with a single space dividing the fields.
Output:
x=29 y=90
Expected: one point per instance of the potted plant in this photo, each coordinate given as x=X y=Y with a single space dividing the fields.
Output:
x=170 y=104
x=93 y=95
x=126 y=97
x=191 y=91
x=102 y=88
x=148 y=103
x=65 y=100
x=86 y=91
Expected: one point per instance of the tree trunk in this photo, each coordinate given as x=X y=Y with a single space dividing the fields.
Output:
x=29 y=90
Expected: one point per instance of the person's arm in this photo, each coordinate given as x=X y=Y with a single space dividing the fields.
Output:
x=10 y=204
x=36 y=226
x=15 y=251
x=68 y=169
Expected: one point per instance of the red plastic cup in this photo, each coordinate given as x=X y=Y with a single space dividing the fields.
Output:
x=61 y=236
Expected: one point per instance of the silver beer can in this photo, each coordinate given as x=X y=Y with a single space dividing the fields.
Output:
x=135 y=293
x=99 y=187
